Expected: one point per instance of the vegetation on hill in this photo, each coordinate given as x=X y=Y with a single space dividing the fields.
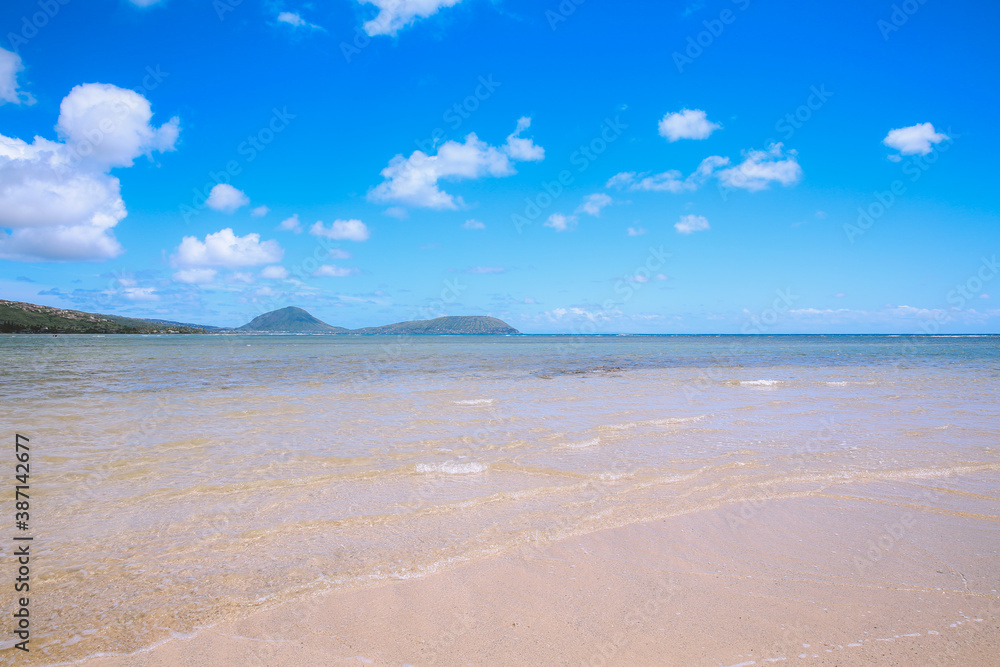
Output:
x=289 y=320
x=19 y=317
x=469 y=324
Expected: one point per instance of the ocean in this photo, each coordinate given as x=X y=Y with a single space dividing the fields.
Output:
x=179 y=481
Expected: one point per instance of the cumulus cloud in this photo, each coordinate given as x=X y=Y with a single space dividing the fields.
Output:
x=260 y=211
x=141 y=294
x=757 y=171
x=110 y=126
x=691 y=223
x=560 y=222
x=334 y=271
x=57 y=199
x=394 y=15
x=413 y=181
x=473 y=224
x=195 y=276
x=913 y=140
x=341 y=230
x=291 y=224
x=521 y=149
x=274 y=272
x=592 y=204
x=295 y=20
x=686 y=124
x=225 y=249
x=10 y=65
x=226 y=198
x=636 y=231
x=761 y=168
x=668 y=181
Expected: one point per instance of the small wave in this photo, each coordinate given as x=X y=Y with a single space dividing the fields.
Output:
x=669 y=421
x=475 y=401
x=453 y=467
x=760 y=383
x=584 y=443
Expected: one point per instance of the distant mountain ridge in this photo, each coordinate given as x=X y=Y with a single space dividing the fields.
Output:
x=467 y=324
x=297 y=320
x=21 y=317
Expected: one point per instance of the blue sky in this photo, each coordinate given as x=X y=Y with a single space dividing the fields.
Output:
x=576 y=166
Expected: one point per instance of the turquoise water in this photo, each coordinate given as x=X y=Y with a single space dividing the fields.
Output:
x=180 y=480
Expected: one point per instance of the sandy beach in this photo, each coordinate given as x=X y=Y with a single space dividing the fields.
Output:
x=829 y=578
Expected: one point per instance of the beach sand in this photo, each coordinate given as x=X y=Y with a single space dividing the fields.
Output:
x=860 y=574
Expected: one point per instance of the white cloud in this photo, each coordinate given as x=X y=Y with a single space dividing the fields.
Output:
x=225 y=249
x=141 y=294
x=761 y=168
x=473 y=224
x=913 y=140
x=109 y=126
x=686 y=124
x=592 y=204
x=226 y=198
x=521 y=149
x=10 y=65
x=260 y=211
x=291 y=224
x=668 y=181
x=636 y=231
x=195 y=276
x=413 y=181
x=394 y=15
x=334 y=271
x=341 y=230
x=560 y=222
x=274 y=272
x=57 y=198
x=757 y=171
x=296 y=20
x=691 y=223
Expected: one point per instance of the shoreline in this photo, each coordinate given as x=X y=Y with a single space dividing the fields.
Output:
x=796 y=581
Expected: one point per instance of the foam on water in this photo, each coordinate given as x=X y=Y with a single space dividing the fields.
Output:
x=453 y=467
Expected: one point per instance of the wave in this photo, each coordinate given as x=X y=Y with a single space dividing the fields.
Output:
x=669 y=421
x=453 y=467
x=582 y=444
x=475 y=401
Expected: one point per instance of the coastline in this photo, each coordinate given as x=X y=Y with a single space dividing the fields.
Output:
x=793 y=580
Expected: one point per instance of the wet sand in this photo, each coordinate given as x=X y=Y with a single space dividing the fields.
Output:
x=861 y=574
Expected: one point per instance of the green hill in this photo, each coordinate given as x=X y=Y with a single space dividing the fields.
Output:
x=20 y=317
x=468 y=324
x=289 y=320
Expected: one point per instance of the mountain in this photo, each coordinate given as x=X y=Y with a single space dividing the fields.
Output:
x=469 y=324
x=289 y=320
x=20 y=317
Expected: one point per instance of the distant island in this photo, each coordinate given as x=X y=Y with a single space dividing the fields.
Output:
x=297 y=320
x=20 y=317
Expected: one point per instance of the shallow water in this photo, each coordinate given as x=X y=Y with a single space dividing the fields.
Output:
x=177 y=481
